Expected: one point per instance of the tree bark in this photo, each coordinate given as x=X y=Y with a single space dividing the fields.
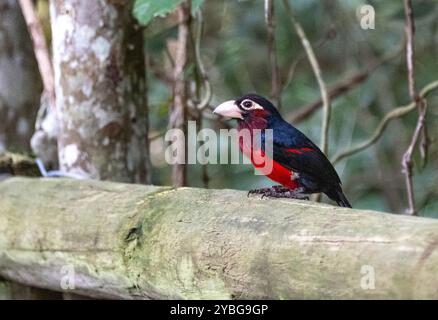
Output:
x=20 y=82
x=100 y=101
x=178 y=114
x=132 y=241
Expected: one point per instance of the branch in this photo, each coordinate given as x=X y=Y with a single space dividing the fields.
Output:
x=304 y=112
x=422 y=106
x=317 y=71
x=395 y=113
x=145 y=242
x=292 y=68
x=41 y=50
x=407 y=157
x=410 y=54
x=272 y=50
x=160 y=74
x=178 y=114
x=200 y=65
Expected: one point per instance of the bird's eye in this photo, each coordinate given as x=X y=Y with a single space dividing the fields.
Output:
x=246 y=104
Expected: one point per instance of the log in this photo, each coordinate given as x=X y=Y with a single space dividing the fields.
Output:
x=5 y=290
x=112 y=240
x=16 y=291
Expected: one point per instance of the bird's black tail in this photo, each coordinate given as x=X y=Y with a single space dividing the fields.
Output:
x=338 y=196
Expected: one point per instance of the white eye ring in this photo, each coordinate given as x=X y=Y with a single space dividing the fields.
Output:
x=246 y=104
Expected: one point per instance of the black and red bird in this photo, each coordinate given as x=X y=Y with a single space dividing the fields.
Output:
x=299 y=165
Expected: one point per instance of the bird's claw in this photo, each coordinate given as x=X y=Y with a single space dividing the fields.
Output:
x=278 y=192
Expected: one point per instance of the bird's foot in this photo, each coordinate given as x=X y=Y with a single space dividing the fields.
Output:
x=268 y=192
x=279 y=192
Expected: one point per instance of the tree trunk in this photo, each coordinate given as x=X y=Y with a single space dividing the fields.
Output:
x=130 y=241
x=101 y=106
x=20 y=82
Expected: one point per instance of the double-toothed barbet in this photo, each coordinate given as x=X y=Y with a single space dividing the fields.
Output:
x=298 y=164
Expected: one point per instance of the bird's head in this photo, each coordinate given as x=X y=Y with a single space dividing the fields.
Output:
x=249 y=107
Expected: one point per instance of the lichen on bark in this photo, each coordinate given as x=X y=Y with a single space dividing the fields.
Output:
x=98 y=118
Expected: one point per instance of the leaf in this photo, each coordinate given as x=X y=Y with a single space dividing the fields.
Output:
x=196 y=4
x=146 y=10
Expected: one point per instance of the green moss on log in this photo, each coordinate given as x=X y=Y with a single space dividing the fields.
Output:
x=132 y=241
x=18 y=165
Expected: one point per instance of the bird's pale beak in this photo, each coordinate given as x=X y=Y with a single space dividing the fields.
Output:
x=228 y=109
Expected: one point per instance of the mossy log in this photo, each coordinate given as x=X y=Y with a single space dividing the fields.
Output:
x=16 y=291
x=133 y=242
x=18 y=164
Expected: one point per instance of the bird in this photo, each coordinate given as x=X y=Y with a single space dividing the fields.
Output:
x=298 y=165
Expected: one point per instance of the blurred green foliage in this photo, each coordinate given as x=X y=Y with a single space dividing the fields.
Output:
x=145 y=10
x=236 y=57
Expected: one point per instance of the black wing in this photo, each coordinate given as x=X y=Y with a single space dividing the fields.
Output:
x=293 y=150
